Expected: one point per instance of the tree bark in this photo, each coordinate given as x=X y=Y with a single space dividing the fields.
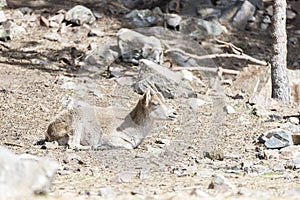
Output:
x=280 y=82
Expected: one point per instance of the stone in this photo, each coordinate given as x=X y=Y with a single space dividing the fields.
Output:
x=173 y=20
x=293 y=192
x=196 y=103
x=200 y=29
x=290 y=14
x=296 y=138
x=80 y=15
x=169 y=83
x=259 y=4
x=209 y=13
x=143 y=18
x=2 y=16
x=101 y=56
x=107 y=192
x=124 y=177
x=5 y=34
x=3 y=3
x=52 y=36
x=135 y=46
x=294 y=163
x=221 y=184
x=245 y=12
x=277 y=138
x=289 y=152
x=95 y=32
x=229 y=109
x=271 y=154
x=25 y=175
x=294 y=120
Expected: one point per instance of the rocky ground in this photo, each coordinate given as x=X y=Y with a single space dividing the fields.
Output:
x=36 y=71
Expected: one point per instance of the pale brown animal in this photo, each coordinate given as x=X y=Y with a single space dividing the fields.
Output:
x=85 y=126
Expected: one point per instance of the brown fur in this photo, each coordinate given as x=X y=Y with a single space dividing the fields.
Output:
x=88 y=126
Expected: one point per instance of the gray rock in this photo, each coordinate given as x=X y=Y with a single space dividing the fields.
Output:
x=259 y=4
x=101 y=55
x=95 y=32
x=196 y=103
x=52 y=36
x=5 y=34
x=200 y=29
x=2 y=16
x=277 y=138
x=294 y=163
x=3 y=3
x=134 y=46
x=229 y=109
x=107 y=192
x=173 y=20
x=209 y=13
x=124 y=177
x=23 y=175
x=244 y=13
x=293 y=192
x=221 y=184
x=144 y=18
x=166 y=81
x=290 y=14
x=80 y=15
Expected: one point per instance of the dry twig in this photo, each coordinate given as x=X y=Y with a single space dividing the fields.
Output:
x=224 y=55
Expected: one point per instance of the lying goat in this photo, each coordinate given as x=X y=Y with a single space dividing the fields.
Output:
x=86 y=126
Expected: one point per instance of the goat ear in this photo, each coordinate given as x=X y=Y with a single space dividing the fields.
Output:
x=146 y=98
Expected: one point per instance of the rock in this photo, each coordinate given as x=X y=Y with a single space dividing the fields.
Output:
x=215 y=154
x=290 y=14
x=294 y=120
x=3 y=3
x=200 y=29
x=134 y=46
x=107 y=192
x=95 y=32
x=52 y=36
x=277 y=138
x=221 y=184
x=270 y=10
x=229 y=109
x=124 y=177
x=289 y=152
x=253 y=194
x=196 y=103
x=259 y=4
x=245 y=12
x=271 y=154
x=296 y=138
x=293 y=192
x=23 y=175
x=209 y=13
x=166 y=81
x=80 y=15
x=2 y=16
x=5 y=34
x=294 y=163
x=173 y=20
x=101 y=56
x=144 y=18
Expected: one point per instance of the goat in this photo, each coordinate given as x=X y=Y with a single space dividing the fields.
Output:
x=85 y=126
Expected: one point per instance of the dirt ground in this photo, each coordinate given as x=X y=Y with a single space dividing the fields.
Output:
x=169 y=164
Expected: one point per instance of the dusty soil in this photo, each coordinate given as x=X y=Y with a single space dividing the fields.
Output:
x=31 y=95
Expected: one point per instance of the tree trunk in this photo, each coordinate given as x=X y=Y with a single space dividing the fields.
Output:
x=280 y=82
